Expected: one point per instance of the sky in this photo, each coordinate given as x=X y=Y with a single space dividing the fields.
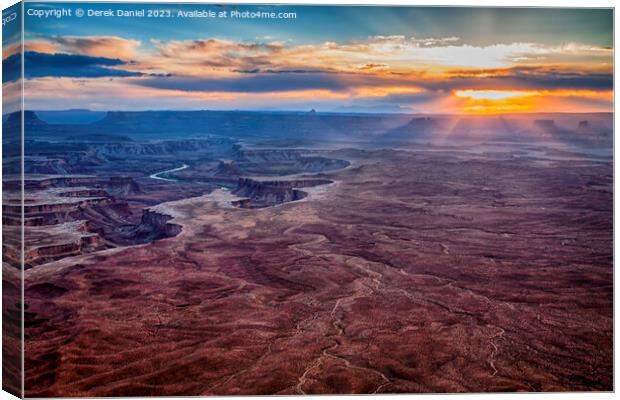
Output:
x=336 y=59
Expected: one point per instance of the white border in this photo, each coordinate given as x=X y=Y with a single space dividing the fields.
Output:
x=470 y=3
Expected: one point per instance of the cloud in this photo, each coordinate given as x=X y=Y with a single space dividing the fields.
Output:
x=11 y=68
x=394 y=53
x=251 y=83
x=413 y=41
x=558 y=80
x=196 y=57
x=113 y=93
x=38 y=65
x=522 y=78
x=395 y=102
x=96 y=46
x=121 y=94
x=11 y=97
x=209 y=56
x=385 y=71
x=89 y=55
x=381 y=85
x=39 y=46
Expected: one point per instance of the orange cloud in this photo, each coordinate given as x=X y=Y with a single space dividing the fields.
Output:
x=96 y=46
x=377 y=53
x=99 y=46
x=382 y=91
x=446 y=74
x=40 y=46
x=99 y=93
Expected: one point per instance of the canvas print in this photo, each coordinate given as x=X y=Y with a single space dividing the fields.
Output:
x=284 y=199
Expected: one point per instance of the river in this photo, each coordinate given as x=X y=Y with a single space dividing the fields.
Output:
x=157 y=174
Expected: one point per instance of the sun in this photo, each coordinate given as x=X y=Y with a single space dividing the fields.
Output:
x=494 y=94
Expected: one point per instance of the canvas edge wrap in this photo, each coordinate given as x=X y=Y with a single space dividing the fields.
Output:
x=13 y=195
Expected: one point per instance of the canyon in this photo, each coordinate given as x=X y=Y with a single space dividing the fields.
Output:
x=76 y=202
x=65 y=216
x=301 y=253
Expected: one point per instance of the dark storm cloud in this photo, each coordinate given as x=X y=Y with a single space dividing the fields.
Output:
x=557 y=80
x=11 y=68
x=251 y=83
x=405 y=98
x=39 y=65
x=293 y=80
x=525 y=78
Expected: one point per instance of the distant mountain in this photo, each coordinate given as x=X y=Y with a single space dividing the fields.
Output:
x=30 y=119
x=292 y=128
x=587 y=128
x=12 y=126
x=546 y=127
x=294 y=125
x=483 y=127
x=74 y=116
x=417 y=128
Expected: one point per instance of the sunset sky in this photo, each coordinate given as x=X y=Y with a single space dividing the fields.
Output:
x=342 y=59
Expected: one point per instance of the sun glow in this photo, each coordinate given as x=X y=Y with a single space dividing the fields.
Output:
x=495 y=94
x=382 y=91
x=504 y=101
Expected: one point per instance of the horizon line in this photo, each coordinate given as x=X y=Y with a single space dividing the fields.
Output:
x=316 y=112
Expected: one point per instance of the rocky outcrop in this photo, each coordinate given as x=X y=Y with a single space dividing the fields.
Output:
x=476 y=127
x=265 y=194
x=31 y=120
x=119 y=186
x=55 y=207
x=122 y=187
x=75 y=214
x=243 y=203
x=39 y=255
x=46 y=166
x=45 y=243
x=584 y=133
x=286 y=162
x=11 y=254
x=593 y=131
x=85 y=244
x=84 y=193
x=285 y=184
x=545 y=126
x=260 y=194
x=153 y=226
x=55 y=181
x=227 y=169
x=105 y=213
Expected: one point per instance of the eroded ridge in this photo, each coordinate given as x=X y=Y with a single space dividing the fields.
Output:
x=69 y=215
